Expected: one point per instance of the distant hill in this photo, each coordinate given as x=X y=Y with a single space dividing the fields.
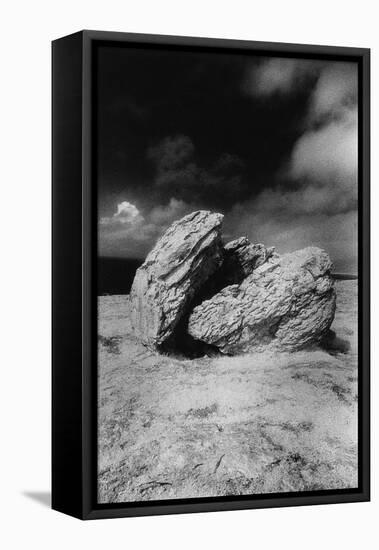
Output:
x=115 y=275
x=344 y=276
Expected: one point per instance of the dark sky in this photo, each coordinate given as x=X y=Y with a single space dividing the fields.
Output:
x=269 y=142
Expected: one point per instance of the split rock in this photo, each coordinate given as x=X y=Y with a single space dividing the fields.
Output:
x=286 y=303
x=242 y=257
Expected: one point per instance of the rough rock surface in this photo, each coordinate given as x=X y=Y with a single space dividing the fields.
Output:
x=187 y=254
x=242 y=257
x=288 y=302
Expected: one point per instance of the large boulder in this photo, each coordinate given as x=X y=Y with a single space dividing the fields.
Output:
x=189 y=252
x=286 y=303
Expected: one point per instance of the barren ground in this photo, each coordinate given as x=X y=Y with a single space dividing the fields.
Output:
x=179 y=428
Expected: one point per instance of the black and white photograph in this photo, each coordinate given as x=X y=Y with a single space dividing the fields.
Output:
x=227 y=310
x=188 y=236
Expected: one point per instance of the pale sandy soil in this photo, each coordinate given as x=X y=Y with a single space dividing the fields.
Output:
x=180 y=428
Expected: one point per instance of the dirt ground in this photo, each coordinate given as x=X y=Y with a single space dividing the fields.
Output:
x=171 y=427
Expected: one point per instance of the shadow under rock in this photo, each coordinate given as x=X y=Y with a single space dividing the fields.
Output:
x=333 y=344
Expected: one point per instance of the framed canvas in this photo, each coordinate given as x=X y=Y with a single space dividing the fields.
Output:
x=210 y=275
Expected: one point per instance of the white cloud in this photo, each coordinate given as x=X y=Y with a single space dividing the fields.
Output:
x=126 y=213
x=327 y=152
x=324 y=160
x=128 y=233
x=335 y=92
x=321 y=206
x=279 y=76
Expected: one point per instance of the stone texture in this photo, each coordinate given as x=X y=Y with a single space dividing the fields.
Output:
x=288 y=302
x=241 y=257
x=187 y=254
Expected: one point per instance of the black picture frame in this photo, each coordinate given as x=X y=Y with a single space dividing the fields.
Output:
x=74 y=275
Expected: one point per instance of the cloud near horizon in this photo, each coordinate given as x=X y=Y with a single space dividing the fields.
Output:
x=135 y=237
x=126 y=213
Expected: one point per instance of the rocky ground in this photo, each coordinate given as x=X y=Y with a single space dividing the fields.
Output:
x=171 y=427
